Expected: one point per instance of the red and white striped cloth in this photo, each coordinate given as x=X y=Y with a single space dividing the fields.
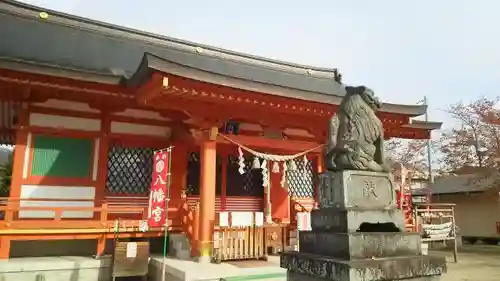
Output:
x=244 y=204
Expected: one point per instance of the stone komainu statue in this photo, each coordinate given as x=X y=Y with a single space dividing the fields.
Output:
x=356 y=134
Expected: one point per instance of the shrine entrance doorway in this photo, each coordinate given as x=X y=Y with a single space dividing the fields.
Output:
x=235 y=192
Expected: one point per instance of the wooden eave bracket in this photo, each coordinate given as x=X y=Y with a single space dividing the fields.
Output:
x=152 y=89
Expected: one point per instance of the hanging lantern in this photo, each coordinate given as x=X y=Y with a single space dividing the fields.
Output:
x=276 y=167
x=256 y=163
x=292 y=166
x=241 y=161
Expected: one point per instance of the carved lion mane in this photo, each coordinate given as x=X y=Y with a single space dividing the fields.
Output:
x=355 y=130
x=359 y=107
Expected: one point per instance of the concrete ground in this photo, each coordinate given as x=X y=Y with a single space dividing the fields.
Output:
x=475 y=263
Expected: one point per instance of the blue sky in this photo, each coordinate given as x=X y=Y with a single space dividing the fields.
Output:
x=446 y=49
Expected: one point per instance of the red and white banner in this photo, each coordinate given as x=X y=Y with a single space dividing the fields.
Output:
x=157 y=216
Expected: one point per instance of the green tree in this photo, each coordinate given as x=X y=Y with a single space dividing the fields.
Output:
x=412 y=154
x=473 y=145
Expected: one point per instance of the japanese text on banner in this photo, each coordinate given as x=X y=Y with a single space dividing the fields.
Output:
x=158 y=195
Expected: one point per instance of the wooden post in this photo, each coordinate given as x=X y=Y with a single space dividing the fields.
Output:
x=320 y=168
x=195 y=211
x=19 y=167
x=223 y=188
x=102 y=161
x=207 y=196
x=101 y=241
x=4 y=247
x=267 y=193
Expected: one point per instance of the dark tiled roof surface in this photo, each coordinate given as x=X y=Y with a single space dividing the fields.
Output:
x=459 y=184
x=82 y=44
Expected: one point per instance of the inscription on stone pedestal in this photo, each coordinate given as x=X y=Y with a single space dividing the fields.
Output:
x=369 y=189
x=356 y=189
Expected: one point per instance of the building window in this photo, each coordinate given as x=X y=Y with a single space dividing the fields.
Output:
x=129 y=170
x=61 y=157
x=301 y=181
x=247 y=184
x=194 y=175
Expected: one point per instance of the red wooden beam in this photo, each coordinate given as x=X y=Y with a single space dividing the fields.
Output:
x=152 y=89
x=240 y=113
x=193 y=89
x=409 y=133
x=25 y=78
x=290 y=146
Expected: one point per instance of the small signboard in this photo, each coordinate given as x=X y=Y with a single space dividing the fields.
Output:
x=131 y=250
x=131 y=259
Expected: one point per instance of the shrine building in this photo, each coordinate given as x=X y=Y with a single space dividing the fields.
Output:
x=86 y=103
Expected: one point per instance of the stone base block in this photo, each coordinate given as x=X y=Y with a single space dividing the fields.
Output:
x=345 y=189
x=377 y=269
x=360 y=245
x=350 y=219
x=293 y=276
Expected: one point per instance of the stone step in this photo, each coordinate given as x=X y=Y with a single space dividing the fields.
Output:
x=350 y=219
x=360 y=245
x=396 y=268
x=179 y=246
x=293 y=276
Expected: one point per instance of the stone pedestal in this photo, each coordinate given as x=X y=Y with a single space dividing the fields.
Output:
x=358 y=235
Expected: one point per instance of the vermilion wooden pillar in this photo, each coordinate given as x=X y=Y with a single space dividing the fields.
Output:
x=280 y=200
x=207 y=198
x=19 y=157
x=102 y=176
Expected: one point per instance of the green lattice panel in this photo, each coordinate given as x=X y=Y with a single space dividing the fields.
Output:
x=62 y=157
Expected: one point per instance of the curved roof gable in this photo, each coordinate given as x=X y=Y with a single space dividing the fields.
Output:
x=80 y=43
x=68 y=43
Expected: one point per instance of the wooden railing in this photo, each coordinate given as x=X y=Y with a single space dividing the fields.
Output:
x=437 y=223
x=98 y=218
x=239 y=242
x=232 y=203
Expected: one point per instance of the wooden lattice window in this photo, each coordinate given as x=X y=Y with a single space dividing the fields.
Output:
x=9 y=117
x=193 y=176
x=61 y=157
x=129 y=170
x=247 y=184
x=301 y=181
